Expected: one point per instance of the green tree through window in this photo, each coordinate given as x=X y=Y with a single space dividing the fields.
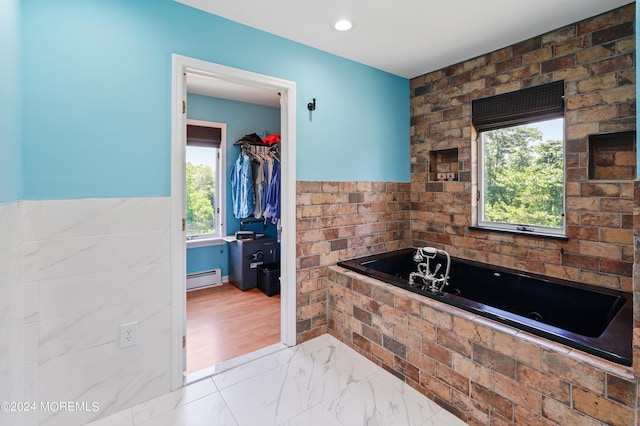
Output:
x=200 y=199
x=523 y=177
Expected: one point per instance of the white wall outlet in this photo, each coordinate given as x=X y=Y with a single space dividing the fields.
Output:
x=128 y=334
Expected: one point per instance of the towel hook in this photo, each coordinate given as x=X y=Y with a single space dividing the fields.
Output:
x=311 y=106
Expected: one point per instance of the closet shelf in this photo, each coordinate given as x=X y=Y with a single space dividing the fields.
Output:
x=255 y=140
x=252 y=143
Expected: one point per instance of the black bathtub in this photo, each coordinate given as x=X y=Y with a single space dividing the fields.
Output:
x=595 y=320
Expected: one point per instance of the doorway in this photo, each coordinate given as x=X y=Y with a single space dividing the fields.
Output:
x=181 y=67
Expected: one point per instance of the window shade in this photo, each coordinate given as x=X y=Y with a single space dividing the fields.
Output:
x=203 y=136
x=519 y=107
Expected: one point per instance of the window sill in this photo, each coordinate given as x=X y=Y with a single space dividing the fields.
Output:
x=526 y=233
x=205 y=242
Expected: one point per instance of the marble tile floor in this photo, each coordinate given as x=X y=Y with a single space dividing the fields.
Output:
x=320 y=382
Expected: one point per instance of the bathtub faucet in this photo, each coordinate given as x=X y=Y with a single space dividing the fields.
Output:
x=430 y=280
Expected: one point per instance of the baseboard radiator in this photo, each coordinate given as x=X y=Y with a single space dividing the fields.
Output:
x=204 y=279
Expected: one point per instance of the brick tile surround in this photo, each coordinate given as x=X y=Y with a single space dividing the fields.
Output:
x=485 y=372
x=482 y=371
x=595 y=58
x=339 y=221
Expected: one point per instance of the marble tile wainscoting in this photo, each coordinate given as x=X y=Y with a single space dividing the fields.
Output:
x=338 y=221
x=12 y=354
x=76 y=270
x=484 y=372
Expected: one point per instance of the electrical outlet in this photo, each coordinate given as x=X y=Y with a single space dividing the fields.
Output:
x=451 y=176
x=442 y=176
x=128 y=334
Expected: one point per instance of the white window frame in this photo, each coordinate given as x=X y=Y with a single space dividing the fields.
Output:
x=220 y=222
x=510 y=227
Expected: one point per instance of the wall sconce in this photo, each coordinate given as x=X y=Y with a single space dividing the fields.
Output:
x=311 y=106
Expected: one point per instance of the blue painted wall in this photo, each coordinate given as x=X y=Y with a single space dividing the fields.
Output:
x=97 y=91
x=241 y=119
x=207 y=258
x=10 y=107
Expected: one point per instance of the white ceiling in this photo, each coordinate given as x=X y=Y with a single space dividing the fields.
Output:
x=408 y=38
x=217 y=88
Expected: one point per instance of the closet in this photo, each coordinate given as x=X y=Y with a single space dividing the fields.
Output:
x=255 y=192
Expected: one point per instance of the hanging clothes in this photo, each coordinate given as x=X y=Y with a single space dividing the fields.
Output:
x=241 y=178
x=255 y=183
x=268 y=171
x=257 y=166
x=272 y=209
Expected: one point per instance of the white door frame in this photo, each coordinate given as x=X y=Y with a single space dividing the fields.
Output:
x=181 y=66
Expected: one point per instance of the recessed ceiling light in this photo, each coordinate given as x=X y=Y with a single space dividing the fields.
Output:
x=343 y=25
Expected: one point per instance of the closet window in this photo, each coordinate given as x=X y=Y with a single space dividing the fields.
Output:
x=204 y=180
x=521 y=160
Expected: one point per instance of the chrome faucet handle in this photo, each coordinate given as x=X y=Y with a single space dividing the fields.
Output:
x=438 y=266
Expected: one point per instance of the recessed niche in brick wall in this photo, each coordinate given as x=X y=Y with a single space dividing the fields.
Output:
x=612 y=156
x=444 y=165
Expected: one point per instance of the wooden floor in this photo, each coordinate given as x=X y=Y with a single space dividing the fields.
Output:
x=224 y=322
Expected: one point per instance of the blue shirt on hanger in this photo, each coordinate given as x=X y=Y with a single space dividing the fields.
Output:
x=242 y=187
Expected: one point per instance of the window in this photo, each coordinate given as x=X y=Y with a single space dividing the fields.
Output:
x=521 y=160
x=204 y=180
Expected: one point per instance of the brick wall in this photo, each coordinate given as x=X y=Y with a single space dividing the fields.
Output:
x=636 y=281
x=339 y=221
x=595 y=58
x=483 y=372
